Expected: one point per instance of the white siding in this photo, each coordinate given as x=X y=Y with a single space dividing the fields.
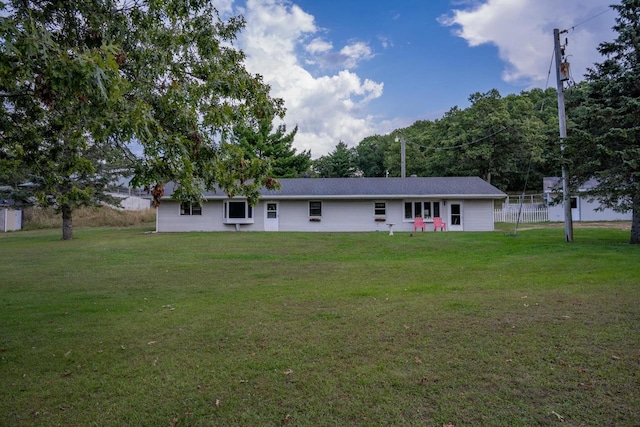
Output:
x=337 y=216
x=10 y=219
x=169 y=218
x=588 y=213
x=477 y=215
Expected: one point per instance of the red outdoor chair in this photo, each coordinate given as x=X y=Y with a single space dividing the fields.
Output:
x=439 y=224
x=418 y=222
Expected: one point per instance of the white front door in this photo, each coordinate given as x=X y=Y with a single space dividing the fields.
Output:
x=271 y=216
x=575 y=208
x=455 y=216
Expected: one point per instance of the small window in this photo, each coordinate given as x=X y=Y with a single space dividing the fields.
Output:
x=456 y=214
x=315 y=208
x=380 y=209
x=188 y=208
x=574 y=203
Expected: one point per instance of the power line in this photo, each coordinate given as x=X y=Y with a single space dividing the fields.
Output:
x=466 y=144
x=589 y=19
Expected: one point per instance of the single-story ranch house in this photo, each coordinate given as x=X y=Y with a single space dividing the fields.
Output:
x=340 y=204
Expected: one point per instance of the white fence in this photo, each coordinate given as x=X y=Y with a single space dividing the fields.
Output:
x=526 y=215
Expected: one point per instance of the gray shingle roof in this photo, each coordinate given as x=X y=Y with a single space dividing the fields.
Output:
x=352 y=188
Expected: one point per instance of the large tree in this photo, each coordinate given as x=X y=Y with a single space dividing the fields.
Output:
x=261 y=142
x=340 y=163
x=154 y=82
x=606 y=145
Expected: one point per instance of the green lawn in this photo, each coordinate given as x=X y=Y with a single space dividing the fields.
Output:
x=122 y=327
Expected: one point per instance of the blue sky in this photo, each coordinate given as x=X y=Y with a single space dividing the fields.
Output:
x=354 y=68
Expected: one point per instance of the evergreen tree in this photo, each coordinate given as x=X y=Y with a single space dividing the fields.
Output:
x=275 y=147
x=340 y=163
x=606 y=144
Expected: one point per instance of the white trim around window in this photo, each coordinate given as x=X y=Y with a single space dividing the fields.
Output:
x=189 y=208
x=427 y=209
x=315 y=210
x=380 y=211
x=237 y=212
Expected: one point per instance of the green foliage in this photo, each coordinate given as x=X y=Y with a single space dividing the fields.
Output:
x=370 y=156
x=606 y=145
x=340 y=163
x=275 y=147
x=504 y=140
x=85 y=85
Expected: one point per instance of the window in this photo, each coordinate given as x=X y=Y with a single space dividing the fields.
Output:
x=456 y=214
x=574 y=203
x=424 y=209
x=315 y=208
x=188 y=208
x=379 y=208
x=237 y=212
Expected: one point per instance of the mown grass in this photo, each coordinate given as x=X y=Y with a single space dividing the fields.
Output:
x=122 y=327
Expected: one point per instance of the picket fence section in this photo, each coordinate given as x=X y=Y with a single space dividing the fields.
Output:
x=526 y=215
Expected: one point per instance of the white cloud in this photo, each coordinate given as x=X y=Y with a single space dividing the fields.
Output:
x=318 y=45
x=522 y=30
x=326 y=108
x=355 y=53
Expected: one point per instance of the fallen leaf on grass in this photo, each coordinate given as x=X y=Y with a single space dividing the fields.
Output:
x=614 y=357
x=418 y=360
x=287 y=419
x=288 y=372
x=151 y=342
x=217 y=403
x=560 y=417
x=449 y=425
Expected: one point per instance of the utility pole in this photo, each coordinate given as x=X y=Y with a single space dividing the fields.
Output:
x=562 y=75
x=403 y=157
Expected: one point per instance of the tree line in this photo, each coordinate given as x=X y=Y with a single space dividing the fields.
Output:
x=504 y=140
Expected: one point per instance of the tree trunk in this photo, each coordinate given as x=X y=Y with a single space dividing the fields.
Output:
x=67 y=223
x=635 y=222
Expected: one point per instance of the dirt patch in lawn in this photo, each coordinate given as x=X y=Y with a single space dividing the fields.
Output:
x=619 y=225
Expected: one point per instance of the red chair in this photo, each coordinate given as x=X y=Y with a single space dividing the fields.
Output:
x=418 y=222
x=438 y=223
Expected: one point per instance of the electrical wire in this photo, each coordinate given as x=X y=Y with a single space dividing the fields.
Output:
x=466 y=144
x=589 y=19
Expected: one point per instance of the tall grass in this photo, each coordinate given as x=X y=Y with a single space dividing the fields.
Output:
x=103 y=216
x=121 y=327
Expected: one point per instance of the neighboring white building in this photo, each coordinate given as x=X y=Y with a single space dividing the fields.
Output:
x=581 y=208
x=10 y=219
x=340 y=205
